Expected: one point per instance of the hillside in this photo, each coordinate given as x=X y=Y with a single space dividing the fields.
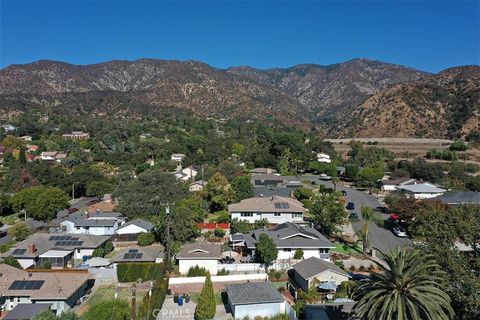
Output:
x=444 y=105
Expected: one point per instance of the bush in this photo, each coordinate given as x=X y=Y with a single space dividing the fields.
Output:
x=298 y=254
x=340 y=264
x=145 y=239
x=277 y=275
x=219 y=233
x=155 y=301
x=206 y=306
x=131 y=272
x=458 y=146
x=11 y=261
x=223 y=272
x=99 y=252
x=197 y=271
x=343 y=289
x=352 y=268
x=46 y=265
x=362 y=269
x=222 y=217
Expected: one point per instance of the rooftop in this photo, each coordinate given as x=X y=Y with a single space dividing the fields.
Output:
x=200 y=250
x=253 y=293
x=312 y=266
x=458 y=198
x=138 y=222
x=267 y=204
x=94 y=219
x=422 y=188
x=139 y=254
x=24 y=311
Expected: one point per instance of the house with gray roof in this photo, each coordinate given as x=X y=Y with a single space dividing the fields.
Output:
x=139 y=254
x=289 y=237
x=421 y=190
x=136 y=226
x=255 y=299
x=58 y=250
x=274 y=209
x=200 y=253
x=96 y=223
x=27 y=311
x=460 y=198
x=315 y=269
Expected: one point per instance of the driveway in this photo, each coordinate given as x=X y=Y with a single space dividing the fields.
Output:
x=380 y=238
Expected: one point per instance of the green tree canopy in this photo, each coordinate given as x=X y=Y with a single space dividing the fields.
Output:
x=266 y=250
x=369 y=176
x=218 y=192
x=206 y=306
x=19 y=231
x=41 y=203
x=242 y=188
x=328 y=213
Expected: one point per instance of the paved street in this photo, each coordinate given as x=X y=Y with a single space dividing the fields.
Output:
x=380 y=238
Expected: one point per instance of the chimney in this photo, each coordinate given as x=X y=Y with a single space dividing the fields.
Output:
x=98 y=210
x=87 y=214
x=31 y=248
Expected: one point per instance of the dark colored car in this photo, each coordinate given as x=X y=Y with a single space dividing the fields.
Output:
x=350 y=206
x=353 y=216
x=344 y=193
x=359 y=277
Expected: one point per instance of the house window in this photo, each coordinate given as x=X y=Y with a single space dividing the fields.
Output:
x=246 y=214
x=287 y=250
x=298 y=215
x=277 y=214
x=78 y=228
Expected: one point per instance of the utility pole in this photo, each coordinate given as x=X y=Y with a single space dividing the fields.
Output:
x=134 y=301
x=167 y=206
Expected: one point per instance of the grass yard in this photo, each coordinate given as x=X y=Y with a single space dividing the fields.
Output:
x=344 y=248
x=280 y=284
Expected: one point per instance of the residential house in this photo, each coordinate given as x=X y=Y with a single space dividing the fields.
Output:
x=460 y=198
x=9 y=128
x=199 y=253
x=323 y=157
x=330 y=311
x=53 y=156
x=197 y=186
x=289 y=237
x=421 y=191
x=274 y=209
x=96 y=223
x=186 y=174
x=178 y=157
x=255 y=299
x=60 y=289
x=139 y=254
x=76 y=135
x=26 y=138
x=31 y=148
x=392 y=185
x=263 y=171
x=28 y=311
x=58 y=250
x=315 y=269
x=136 y=227
x=266 y=179
x=211 y=226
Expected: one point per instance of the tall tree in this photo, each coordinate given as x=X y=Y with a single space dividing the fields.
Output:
x=218 y=192
x=206 y=306
x=364 y=233
x=19 y=231
x=242 y=188
x=266 y=250
x=410 y=286
x=328 y=213
x=41 y=203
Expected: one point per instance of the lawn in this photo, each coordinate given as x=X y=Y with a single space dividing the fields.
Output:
x=347 y=249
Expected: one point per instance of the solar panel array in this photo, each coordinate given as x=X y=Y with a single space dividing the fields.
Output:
x=26 y=285
x=19 y=251
x=66 y=241
x=132 y=254
x=56 y=238
x=281 y=205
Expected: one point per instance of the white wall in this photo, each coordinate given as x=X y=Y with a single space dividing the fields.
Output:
x=329 y=276
x=82 y=252
x=256 y=310
x=227 y=278
x=210 y=265
x=389 y=188
x=25 y=263
x=307 y=253
x=131 y=229
x=284 y=217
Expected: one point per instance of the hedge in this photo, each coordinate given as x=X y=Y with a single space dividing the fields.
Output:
x=155 y=302
x=131 y=272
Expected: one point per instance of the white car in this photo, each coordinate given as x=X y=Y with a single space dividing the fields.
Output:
x=399 y=232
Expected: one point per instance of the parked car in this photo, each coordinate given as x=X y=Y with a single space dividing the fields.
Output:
x=344 y=193
x=359 y=276
x=353 y=216
x=399 y=231
x=350 y=206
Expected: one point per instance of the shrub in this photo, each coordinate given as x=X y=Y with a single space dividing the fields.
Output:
x=219 y=233
x=298 y=254
x=277 y=275
x=99 y=252
x=352 y=268
x=458 y=145
x=11 y=261
x=46 y=265
x=206 y=306
x=340 y=264
x=343 y=289
x=362 y=269
x=223 y=272
x=222 y=217
x=131 y=272
x=155 y=301
x=145 y=239
x=197 y=271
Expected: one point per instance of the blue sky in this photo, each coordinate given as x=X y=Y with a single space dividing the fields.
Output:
x=428 y=35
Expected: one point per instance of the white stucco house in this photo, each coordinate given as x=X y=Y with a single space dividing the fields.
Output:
x=178 y=157
x=308 y=270
x=96 y=223
x=274 y=209
x=135 y=227
x=197 y=186
x=186 y=174
x=421 y=191
x=323 y=157
x=255 y=299
x=200 y=253
x=289 y=237
x=392 y=185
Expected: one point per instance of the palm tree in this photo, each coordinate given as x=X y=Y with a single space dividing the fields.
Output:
x=367 y=216
x=409 y=286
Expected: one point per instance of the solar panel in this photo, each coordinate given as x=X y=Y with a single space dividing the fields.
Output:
x=29 y=285
x=19 y=251
x=14 y=285
x=26 y=285
x=38 y=284
x=53 y=238
x=133 y=250
x=138 y=255
x=281 y=205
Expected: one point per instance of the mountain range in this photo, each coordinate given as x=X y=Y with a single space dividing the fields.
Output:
x=357 y=98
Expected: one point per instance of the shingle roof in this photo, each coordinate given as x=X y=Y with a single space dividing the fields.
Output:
x=290 y=235
x=422 y=188
x=43 y=244
x=469 y=197
x=94 y=219
x=23 y=311
x=267 y=204
x=200 y=250
x=253 y=293
x=312 y=266
x=148 y=254
x=140 y=223
x=57 y=285
x=395 y=182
